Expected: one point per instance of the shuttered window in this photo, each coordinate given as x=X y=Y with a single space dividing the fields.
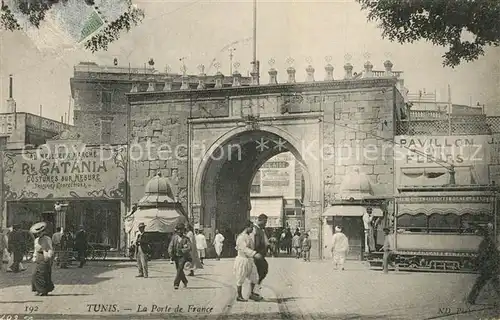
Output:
x=105 y=131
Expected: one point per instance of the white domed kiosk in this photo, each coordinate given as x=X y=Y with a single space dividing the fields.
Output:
x=159 y=210
x=347 y=209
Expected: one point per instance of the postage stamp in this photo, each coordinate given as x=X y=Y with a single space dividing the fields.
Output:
x=67 y=23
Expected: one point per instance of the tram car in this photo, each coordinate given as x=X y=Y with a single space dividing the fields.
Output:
x=438 y=228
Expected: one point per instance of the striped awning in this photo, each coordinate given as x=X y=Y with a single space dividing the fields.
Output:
x=350 y=211
x=444 y=208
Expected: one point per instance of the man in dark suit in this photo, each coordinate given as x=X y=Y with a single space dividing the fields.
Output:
x=16 y=247
x=81 y=245
x=260 y=246
x=179 y=250
x=142 y=248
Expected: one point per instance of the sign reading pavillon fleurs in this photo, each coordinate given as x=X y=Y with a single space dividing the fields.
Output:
x=65 y=171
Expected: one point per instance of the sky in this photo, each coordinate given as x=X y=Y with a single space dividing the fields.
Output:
x=199 y=30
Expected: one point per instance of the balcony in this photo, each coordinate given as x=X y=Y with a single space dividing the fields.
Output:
x=427 y=115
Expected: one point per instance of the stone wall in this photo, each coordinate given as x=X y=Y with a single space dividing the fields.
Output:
x=89 y=110
x=159 y=140
x=358 y=130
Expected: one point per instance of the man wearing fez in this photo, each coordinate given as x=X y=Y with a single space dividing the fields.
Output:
x=195 y=259
x=141 y=252
x=368 y=223
x=260 y=245
x=180 y=250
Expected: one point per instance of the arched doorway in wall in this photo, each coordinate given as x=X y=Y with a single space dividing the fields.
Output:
x=224 y=179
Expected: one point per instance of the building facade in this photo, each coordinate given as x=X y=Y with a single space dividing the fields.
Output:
x=214 y=137
x=18 y=131
x=100 y=102
x=279 y=181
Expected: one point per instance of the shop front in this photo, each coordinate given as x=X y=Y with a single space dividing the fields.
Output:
x=67 y=184
x=355 y=195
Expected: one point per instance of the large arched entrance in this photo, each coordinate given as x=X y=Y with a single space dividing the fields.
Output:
x=224 y=178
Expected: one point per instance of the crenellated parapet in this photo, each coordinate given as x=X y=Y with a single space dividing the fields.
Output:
x=203 y=81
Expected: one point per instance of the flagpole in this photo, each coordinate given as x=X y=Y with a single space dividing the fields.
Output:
x=255 y=69
x=255 y=34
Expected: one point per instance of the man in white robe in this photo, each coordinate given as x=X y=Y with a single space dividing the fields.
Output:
x=244 y=265
x=201 y=244
x=218 y=243
x=368 y=223
x=340 y=248
x=195 y=263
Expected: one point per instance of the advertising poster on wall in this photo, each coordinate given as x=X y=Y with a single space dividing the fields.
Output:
x=426 y=160
x=277 y=176
x=65 y=171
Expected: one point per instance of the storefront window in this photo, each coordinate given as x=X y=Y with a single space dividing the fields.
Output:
x=449 y=223
x=412 y=223
x=101 y=219
x=27 y=213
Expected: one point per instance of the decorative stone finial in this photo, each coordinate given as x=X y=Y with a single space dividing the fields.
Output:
x=388 y=68
x=309 y=70
x=310 y=73
x=290 y=70
x=255 y=74
x=201 y=77
x=272 y=72
x=135 y=86
x=329 y=72
x=168 y=83
x=328 y=69
x=348 y=71
x=219 y=80
x=185 y=82
x=273 y=75
x=236 y=78
x=368 y=73
x=151 y=85
x=185 y=77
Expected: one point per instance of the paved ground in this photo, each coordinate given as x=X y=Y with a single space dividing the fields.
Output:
x=293 y=290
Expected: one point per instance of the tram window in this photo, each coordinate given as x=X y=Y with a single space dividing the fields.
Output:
x=469 y=223
x=449 y=223
x=413 y=223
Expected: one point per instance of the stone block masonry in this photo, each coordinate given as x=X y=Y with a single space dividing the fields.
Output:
x=316 y=119
x=159 y=142
x=358 y=136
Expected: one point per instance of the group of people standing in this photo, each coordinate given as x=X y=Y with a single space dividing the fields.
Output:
x=302 y=245
x=17 y=244
x=187 y=249
x=65 y=243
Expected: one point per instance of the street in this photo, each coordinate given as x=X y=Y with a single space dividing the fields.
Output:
x=293 y=289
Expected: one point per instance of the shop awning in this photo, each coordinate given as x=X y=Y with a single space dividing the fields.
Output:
x=350 y=211
x=156 y=219
x=444 y=208
x=272 y=207
x=436 y=176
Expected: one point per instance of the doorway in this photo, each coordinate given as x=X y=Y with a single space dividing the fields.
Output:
x=354 y=231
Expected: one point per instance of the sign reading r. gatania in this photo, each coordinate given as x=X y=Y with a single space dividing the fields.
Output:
x=69 y=172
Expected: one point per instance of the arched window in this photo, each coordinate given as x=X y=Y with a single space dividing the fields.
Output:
x=412 y=223
x=449 y=223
